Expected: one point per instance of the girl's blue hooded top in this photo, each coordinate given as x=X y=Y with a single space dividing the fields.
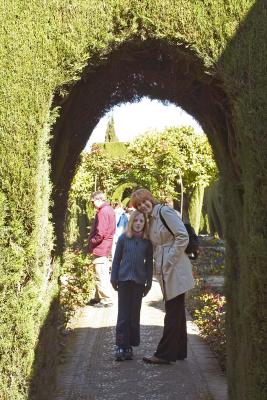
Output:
x=133 y=260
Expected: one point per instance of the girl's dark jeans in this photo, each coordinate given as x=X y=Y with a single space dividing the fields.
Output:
x=130 y=296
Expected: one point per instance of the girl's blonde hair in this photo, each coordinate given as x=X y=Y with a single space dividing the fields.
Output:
x=129 y=231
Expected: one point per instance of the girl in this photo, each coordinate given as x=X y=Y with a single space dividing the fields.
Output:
x=131 y=276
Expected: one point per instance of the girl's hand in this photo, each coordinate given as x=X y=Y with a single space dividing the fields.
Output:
x=146 y=290
x=114 y=285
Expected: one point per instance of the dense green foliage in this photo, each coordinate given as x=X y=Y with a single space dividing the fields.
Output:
x=196 y=207
x=213 y=208
x=76 y=281
x=75 y=59
x=159 y=160
x=118 y=194
x=156 y=160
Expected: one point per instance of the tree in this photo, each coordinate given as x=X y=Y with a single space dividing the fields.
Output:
x=160 y=159
x=110 y=135
x=155 y=160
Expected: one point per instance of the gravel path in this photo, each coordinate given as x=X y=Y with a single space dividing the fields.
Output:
x=89 y=371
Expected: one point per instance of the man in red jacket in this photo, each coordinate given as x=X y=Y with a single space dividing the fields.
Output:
x=100 y=244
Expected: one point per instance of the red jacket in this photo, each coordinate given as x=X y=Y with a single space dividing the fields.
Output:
x=102 y=232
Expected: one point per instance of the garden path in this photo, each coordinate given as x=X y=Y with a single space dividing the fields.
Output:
x=88 y=370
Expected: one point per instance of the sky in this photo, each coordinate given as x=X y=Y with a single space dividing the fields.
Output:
x=133 y=119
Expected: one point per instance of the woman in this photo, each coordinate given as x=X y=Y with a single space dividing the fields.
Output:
x=174 y=271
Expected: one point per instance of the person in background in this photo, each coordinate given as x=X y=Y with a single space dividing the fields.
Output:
x=129 y=210
x=174 y=271
x=121 y=224
x=131 y=276
x=100 y=244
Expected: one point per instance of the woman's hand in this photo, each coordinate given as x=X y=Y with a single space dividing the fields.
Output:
x=146 y=290
x=114 y=285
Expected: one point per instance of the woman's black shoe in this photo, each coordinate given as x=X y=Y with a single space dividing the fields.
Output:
x=155 y=360
x=128 y=353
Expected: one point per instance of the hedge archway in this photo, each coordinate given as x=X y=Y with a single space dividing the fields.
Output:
x=138 y=68
x=167 y=71
x=208 y=57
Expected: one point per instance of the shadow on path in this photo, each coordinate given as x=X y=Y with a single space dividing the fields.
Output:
x=89 y=371
x=42 y=384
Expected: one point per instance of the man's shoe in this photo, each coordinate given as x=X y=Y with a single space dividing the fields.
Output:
x=102 y=305
x=155 y=360
x=99 y=305
x=129 y=353
x=108 y=304
x=93 y=302
x=120 y=354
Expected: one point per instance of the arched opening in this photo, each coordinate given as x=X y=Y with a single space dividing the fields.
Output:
x=153 y=68
x=129 y=120
x=127 y=141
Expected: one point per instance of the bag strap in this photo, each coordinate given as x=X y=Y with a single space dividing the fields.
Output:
x=163 y=221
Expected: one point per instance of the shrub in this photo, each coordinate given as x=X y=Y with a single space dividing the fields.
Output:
x=76 y=281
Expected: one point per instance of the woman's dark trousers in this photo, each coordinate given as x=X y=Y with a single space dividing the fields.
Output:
x=130 y=296
x=173 y=344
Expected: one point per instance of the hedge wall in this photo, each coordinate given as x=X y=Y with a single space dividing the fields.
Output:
x=75 y=59
x=213 y=206
x=195 y=207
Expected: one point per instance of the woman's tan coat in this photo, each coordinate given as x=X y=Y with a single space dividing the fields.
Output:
x=172 y=265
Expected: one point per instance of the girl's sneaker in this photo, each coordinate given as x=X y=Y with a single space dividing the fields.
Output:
x=120 y=354
x=129 y=353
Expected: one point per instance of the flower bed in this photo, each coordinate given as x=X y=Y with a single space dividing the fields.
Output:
x=208 y=311
x=207 y=304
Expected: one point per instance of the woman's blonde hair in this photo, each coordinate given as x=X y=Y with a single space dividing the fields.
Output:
x=129 y=230
x=141 y=195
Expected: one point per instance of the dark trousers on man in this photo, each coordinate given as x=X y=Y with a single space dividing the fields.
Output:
x=173 y=344
x=130 y=296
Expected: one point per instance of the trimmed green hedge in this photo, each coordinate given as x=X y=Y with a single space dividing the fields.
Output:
x=114 y=149
x=213 y=206
x=195 y=207
x=76 y=59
